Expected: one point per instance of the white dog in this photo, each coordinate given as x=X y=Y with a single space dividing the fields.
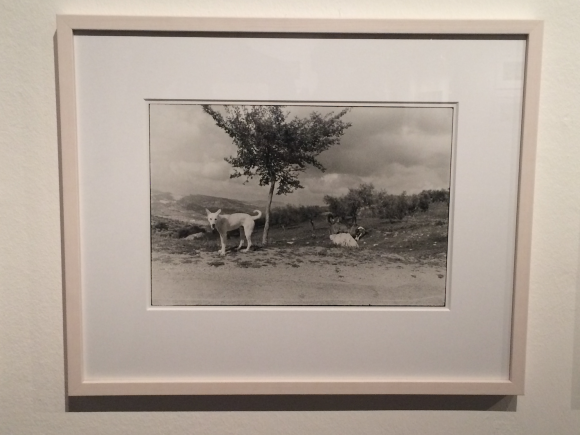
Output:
x=229 y=222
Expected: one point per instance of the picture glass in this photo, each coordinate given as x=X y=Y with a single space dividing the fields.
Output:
x=300 y=204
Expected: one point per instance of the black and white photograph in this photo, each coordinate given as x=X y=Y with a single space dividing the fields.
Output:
x=299 y=204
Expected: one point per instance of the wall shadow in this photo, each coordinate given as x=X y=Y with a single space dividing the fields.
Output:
x=291 y=403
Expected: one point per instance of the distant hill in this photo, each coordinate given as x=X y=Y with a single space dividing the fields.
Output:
x=192 y=207
x=163 y=204
x=198 y=204
x=261 y=203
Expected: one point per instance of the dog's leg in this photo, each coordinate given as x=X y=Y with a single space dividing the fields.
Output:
x=222 y=251
x=241 y=245
x=248 y=229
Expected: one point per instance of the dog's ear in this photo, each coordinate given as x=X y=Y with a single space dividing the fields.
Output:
x=219 y=211
x=207 y=211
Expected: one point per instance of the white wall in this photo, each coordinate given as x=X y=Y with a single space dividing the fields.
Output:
x=31 y=328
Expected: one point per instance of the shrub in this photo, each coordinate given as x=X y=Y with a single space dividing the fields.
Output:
x=292 y=215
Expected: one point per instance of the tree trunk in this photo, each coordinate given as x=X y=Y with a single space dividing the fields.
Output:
x=268 y=206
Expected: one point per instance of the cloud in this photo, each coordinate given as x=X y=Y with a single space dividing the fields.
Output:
x=336 y=184
x=396 y=148
x=211 y=170
x=381 y=137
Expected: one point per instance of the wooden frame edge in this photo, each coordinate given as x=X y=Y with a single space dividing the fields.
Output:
x=295 y=25
x=70 y=203
x=290 y=387
x=525 y=205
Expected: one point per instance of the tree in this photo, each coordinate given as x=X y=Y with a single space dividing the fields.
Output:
x=349 y=205
x=424 y=201
x=276 y=148
x=336 y=205
x=361 y=197
x=366 y=193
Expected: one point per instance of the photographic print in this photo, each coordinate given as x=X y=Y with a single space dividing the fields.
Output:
x=299 y=205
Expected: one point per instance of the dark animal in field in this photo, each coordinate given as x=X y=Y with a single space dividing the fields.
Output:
x=357 y=232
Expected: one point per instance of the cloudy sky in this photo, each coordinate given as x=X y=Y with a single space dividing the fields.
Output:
x=395 y=148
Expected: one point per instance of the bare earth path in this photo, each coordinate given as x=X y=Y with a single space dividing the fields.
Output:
x=298 y=276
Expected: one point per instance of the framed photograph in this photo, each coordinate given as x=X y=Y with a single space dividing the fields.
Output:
x=366 y=225
x=280 y=206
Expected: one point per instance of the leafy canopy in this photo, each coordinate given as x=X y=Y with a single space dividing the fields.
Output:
x=274 y=147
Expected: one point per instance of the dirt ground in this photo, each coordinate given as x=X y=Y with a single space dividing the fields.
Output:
x=304 y=275
x=400 y=263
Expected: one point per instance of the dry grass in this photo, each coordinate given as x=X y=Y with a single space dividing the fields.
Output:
x=421 y=239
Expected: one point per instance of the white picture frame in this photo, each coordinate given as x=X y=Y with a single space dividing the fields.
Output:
x=118 y=344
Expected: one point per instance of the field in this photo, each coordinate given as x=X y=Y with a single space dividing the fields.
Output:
x=398 y=263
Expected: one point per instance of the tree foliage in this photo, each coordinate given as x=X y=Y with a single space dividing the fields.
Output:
x=381 y=203
x=274 y=147
x=349 y=205
x=292 y=215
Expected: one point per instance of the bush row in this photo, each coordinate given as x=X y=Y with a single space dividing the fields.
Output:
x=379 y=203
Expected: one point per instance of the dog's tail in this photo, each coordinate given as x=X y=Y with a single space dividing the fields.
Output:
x=258 y=216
